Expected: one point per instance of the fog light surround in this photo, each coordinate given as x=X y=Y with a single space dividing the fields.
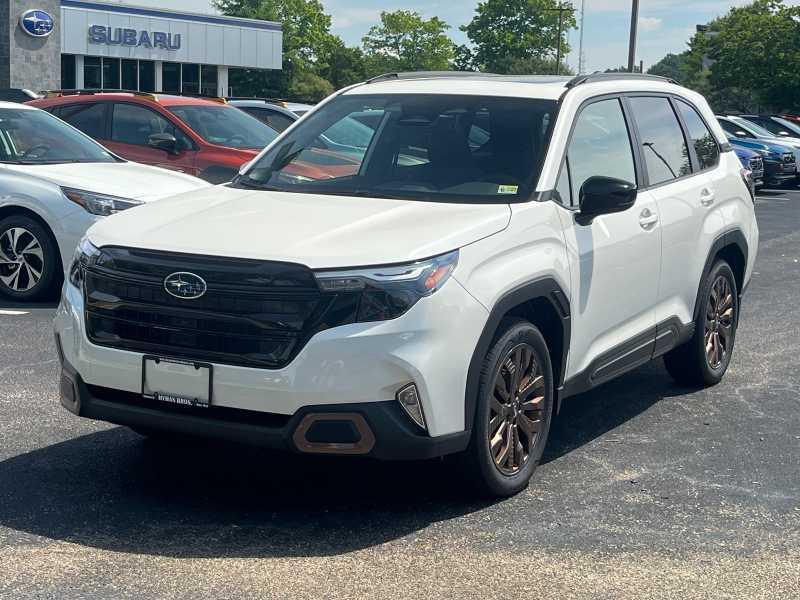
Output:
x=408 y=397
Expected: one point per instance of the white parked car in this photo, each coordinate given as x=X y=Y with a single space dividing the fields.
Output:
x=54 y=183
x=499 y=244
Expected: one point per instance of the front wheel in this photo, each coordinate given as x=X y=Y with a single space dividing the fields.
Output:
x=704 y=359
x=30 y=268
x=514 y=409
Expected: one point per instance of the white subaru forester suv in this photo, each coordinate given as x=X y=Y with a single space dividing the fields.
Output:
x=496 y=245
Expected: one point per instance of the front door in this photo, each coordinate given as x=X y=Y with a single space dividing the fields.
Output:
x=131 y=128
x=615 y=260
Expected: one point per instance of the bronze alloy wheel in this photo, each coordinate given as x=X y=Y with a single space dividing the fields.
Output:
x=718 y=332
x=516 y=409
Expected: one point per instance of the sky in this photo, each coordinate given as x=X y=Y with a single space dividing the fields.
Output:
x=664 y=25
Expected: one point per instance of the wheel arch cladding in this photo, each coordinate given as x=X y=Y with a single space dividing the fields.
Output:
x=13 y=210
x=730 y=246
x=544 y=304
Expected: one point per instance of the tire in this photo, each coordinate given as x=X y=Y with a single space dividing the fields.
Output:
x=703 y=360
x=519 y=342
x=40 y=273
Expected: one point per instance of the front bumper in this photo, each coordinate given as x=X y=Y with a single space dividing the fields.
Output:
x=354 y=368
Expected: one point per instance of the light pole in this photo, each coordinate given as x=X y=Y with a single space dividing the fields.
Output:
x=632 y=45
x=561 y=9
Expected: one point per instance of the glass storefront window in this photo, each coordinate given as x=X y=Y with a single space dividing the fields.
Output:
x=147 y=76
x=130 y=75
x=111 y=73
x=171 y=77
x=208 y=80
x=191 y=79
x=68 y=72
x=92 y=72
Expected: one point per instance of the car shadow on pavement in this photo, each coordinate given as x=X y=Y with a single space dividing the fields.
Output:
x=115 y=490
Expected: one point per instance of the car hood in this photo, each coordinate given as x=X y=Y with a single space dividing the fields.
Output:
x=124 y=179
x=761 y=144
x=320 y=231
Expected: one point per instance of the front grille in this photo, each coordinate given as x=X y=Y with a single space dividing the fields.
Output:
x=254 y=313
x=757 y=165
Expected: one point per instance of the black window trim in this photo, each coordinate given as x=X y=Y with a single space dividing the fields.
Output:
x=175 y=123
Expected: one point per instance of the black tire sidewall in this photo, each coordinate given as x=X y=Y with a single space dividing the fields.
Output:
x=492 y=480
x=714 y=376
x=51 y=270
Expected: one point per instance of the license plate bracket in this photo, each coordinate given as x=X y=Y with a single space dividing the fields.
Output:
x=177 y=381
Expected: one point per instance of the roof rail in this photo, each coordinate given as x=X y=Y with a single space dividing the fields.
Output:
x=90 y=91
x=429 y=75
x=279 y=101
x=594 y=77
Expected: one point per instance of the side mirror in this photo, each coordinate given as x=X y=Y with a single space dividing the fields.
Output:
x=244 y=166
x=603 y=196
x=164 y=141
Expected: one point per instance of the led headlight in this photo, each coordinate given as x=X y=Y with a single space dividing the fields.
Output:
x=99 y=204
x=85 y=254
x=388 y=292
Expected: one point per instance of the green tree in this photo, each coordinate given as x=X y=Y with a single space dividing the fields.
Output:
x=672 y=66
x=342 y=65
x=309 y=87
x=404 y=41
x=504 y=31
x=755 y=49
x=536 y=66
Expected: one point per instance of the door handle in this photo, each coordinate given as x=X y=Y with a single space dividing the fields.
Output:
x=647 y=219
x=706 y=197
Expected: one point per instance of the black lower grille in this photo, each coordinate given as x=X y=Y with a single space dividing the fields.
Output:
x=254 y=313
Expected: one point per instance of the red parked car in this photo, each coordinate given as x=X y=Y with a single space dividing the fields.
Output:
x=202 y=137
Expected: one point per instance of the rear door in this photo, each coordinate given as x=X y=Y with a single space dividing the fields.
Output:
x=92 y=118
x=682 y=160
x=616 y=259
x=131 y=128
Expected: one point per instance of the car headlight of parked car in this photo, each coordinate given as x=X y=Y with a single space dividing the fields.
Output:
x=388 y=292
x=85 y=254
x=99 y=204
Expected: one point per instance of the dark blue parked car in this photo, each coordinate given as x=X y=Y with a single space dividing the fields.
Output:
x=779 y=161
x=752 y=160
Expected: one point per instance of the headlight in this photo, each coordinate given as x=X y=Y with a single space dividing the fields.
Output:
x=769 y=154
x=99 y=204
x=85 y=254
x=388 y=292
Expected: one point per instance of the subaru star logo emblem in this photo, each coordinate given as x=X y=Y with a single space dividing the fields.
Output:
x=36 y=23
x=186 y=286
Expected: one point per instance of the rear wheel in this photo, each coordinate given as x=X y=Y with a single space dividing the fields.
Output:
x=30 y=268
x=514 y=409
x=704 y=359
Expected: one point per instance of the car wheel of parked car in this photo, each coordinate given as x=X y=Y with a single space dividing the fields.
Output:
x=705 y=358
x=29 y=261
x=515 y=406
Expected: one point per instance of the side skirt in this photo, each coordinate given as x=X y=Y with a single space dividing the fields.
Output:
x=630 y=354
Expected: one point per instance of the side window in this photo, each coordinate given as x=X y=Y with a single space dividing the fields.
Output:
x=132 y=124
x=600 y=145
x=278 y=121
x=562 y=186
x=663 y=145
x=733 y=130
x=705 y=146
x=90 y=118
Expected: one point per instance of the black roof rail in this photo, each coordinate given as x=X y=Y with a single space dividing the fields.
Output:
x=594 y=77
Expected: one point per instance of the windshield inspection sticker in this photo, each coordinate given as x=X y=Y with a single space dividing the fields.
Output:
x=507 y=189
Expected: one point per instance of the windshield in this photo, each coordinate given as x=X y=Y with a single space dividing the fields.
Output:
x=417 y=147
x=225 y=125
x=755 y=129
x=34 y=137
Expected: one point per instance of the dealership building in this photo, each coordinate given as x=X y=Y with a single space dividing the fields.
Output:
x=77 y=44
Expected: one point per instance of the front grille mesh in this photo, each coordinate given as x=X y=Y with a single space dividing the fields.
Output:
x=254 y=313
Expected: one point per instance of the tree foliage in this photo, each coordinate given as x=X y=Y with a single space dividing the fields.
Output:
x=672 y=66
x=505 y=31
x=404 y=41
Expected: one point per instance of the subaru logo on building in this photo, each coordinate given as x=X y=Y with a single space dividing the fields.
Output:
x=186 y=286
x=36 y=23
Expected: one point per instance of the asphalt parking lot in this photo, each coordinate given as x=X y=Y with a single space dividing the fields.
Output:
x=647 y=490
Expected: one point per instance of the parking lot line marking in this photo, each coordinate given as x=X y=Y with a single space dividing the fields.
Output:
x=13 y=312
